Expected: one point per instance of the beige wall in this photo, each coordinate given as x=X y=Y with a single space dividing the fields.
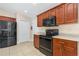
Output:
x=6 y=13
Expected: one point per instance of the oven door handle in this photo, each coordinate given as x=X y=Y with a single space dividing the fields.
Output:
x=47 y=39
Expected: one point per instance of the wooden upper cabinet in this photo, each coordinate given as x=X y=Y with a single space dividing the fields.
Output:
x=65 y=13
x=41 y=17
x=4 y=18
x=60 y=14
x=39 y=21
x=46 y=14
x=71 y=12
x=52 y=12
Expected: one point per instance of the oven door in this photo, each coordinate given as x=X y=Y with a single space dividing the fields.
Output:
x=45 y=43
x=45 y=46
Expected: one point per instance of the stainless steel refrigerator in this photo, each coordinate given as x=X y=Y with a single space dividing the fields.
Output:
x=7 y=33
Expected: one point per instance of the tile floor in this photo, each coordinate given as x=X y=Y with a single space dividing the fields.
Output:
x=23 y=49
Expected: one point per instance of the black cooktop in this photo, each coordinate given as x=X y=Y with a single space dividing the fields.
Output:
x=45 y=37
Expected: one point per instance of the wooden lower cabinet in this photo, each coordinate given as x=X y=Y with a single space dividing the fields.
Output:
x=57 y=50
x=63 y=47
x=69 y=51
x=36 y=41
x=60 y=47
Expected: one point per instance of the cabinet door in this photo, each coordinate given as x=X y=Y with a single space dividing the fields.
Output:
x=52 y=12
x=69 y=51
x=57 y=47
x=41 y=17
x=70 y=48
x=39 y=20
x=57 y=50
x=36 y=41
x=60 y=14
x=71 y=13
x=46 y=14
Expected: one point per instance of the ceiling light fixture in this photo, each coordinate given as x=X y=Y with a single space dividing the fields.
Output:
x=25 y=11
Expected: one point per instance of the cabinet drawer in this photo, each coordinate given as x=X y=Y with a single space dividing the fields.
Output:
x=70 y=43
x=65 y=42
x=57 y=40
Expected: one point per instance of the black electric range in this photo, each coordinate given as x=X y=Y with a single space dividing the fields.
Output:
x=45 y=41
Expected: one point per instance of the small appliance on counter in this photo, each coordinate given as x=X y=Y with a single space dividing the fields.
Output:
x=45 y=41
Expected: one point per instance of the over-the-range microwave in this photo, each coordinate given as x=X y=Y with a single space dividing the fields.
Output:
x=51 y=21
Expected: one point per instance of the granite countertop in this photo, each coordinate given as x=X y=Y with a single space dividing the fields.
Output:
x=67 y=37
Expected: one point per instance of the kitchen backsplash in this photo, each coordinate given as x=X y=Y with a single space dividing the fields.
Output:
x=42 y=30
x=72 y=29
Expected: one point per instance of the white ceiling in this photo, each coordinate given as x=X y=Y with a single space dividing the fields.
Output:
x=32 y=9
